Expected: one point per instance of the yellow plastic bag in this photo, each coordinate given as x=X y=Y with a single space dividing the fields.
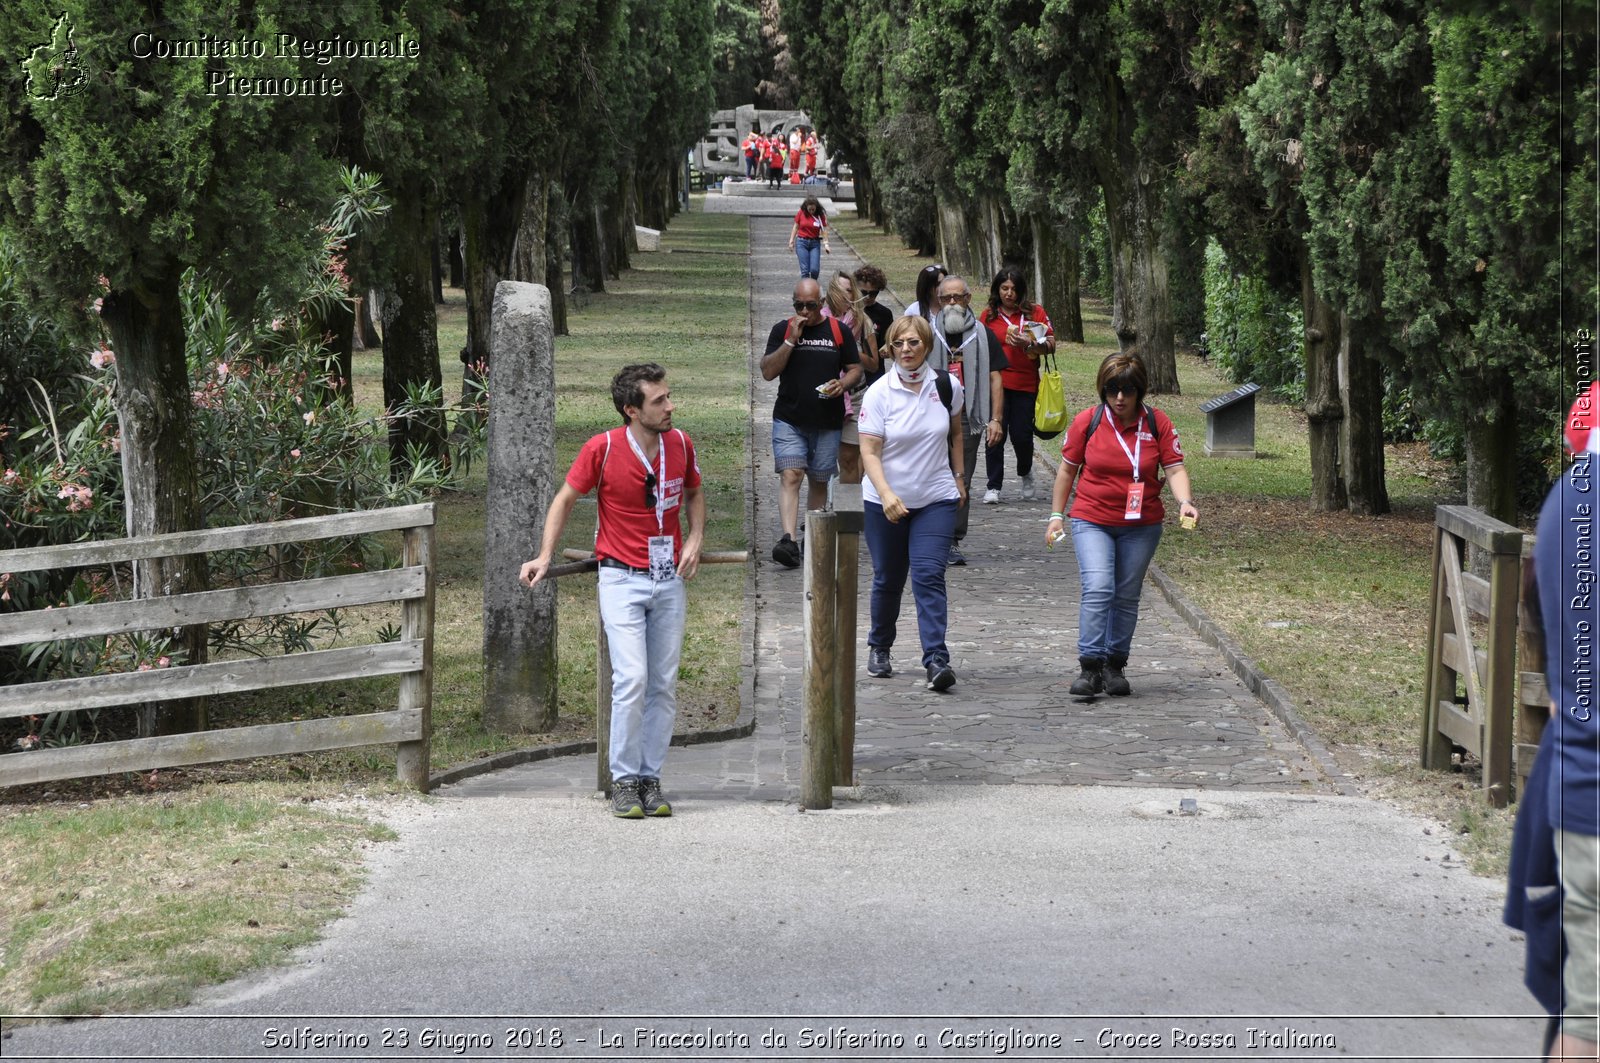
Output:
x=1050 y=404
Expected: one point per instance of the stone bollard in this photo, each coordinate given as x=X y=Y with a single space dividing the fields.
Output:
x=519 y=625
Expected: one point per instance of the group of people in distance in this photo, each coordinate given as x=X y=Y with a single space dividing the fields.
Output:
x=771 y=155
x=912 y=397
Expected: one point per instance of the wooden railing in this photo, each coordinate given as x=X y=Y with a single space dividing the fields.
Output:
x=410 y=658
x=1470 y=690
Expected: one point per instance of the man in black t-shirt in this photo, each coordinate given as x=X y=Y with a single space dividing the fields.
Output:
x=870 y=283
x=815 y=362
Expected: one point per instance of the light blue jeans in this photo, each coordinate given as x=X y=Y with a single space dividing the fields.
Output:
x=808 y=250
x=1112 y=560
x=644 y=628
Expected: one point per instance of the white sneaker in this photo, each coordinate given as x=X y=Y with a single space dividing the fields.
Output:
x=991 y=497
x=1028 y=493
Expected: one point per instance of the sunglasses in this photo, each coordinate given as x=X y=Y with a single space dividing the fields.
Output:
x=905 y=345
x=809 y=304
x=936 y=269
x=869 y=293
x=649 y=490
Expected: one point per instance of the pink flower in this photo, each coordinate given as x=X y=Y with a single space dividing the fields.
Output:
x=10 y=476
x=277 y=323
x=105 y=283
x=309 y=417
x=295 y=453
x=144 y=666
x=98 y=303
x=102 y=358
x=164 y=662
x=222 y=370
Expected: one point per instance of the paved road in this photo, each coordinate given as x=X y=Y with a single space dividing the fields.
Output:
x=1083 y=907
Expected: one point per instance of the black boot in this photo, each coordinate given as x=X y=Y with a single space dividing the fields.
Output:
x=1117 y=683
x=1091 y=680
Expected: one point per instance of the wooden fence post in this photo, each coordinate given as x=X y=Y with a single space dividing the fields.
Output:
x=1483 y=726
x=416 y=688
x=818 y=739
x=847 y=504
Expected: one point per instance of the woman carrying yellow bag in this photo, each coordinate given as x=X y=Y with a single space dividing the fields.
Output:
x=1024 y=329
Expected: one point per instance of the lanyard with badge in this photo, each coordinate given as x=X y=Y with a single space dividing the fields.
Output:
x=1135 y=507
x=661 y=562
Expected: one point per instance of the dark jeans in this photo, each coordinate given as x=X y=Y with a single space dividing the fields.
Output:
x=1016 y=420
x=919 y=546
x=969 y=446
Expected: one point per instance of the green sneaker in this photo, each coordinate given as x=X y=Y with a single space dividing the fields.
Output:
x=625 y=803
x=650 y=797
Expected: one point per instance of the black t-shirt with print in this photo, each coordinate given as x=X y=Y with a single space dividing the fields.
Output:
x=814 y=360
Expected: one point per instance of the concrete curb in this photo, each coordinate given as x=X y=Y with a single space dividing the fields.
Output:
x=1271 y=693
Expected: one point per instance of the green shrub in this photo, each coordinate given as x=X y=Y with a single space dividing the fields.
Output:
x=1254 y=333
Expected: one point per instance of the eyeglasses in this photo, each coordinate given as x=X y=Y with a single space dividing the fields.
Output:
x=808 y=304
x=956 y=297
x=903 y=345
x=869 y=293
x=649 y=490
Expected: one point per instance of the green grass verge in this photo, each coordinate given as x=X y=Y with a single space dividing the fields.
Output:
x=133 y=903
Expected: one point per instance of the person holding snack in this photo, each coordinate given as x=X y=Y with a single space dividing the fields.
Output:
x=1024 y=330
x=1116 y=453
x=815 y=361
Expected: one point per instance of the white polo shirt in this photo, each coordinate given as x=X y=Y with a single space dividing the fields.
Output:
x=915 y=429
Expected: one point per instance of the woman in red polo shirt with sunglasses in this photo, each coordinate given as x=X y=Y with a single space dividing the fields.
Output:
x=1116 y=453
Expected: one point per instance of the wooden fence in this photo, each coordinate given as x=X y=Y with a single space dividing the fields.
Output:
x=1471 y=689
x=410 y=658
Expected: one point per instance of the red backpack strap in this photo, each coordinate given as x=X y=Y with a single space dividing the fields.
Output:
x=838 y=337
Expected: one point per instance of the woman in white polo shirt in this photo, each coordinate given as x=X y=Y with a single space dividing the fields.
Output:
x=911 y=452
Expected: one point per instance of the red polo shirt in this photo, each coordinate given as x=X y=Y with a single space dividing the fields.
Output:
x=1102 y=495
x=625 y=524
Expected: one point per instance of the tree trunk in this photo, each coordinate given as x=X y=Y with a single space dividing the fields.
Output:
x=458 y=265
x=1142 y=310
x=1491 y=443
x=588 y=262
x=1055 y=262
x=161 y=482
x=490 y=224
x=411 y=353
x=1324 y=411
x=556 y=240
x=969 y=237
x=528 y=259
x=618 y=226
x=1185 y=243
x=1361 y=442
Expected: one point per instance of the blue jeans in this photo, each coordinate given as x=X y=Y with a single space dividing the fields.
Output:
x=919 y=545
x=1112 y=561
x=809 y=251
x=644 y=629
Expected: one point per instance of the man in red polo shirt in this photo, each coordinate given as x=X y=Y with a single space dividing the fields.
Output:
x=647 y=475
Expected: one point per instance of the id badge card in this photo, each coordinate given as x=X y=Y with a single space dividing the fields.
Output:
x=1135 y=508
x=661 y=566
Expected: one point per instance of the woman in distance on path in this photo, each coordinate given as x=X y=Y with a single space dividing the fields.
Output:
x=808 y=238
x=912 y=453
x=1116 y=453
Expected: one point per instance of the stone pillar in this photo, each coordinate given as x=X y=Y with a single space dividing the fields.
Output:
x=519 y=625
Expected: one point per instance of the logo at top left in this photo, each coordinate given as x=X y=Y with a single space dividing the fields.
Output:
x=55 y=70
